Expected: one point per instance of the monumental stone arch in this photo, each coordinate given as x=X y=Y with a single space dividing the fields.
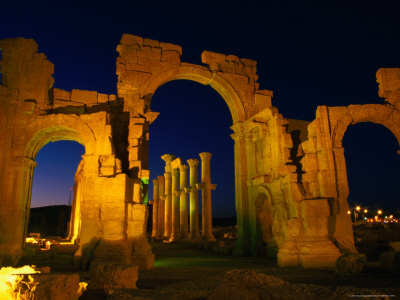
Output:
x=290 y=175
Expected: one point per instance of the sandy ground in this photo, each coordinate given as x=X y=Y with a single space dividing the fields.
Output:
x=185 y=272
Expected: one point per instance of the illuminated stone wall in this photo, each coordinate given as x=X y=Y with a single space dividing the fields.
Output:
x=290 y=176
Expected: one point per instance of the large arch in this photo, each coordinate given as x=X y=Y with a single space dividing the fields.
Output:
x=201 y=75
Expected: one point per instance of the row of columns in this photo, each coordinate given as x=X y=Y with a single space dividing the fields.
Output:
x=170 y=203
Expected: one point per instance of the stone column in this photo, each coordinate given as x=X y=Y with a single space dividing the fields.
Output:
x=168 y=194
x=194 y=234
x=154 y=233
x=168 y=205
x=161 y=206
x=241 y=190
x=206 y=188
x=183 y=207
x=175 y=199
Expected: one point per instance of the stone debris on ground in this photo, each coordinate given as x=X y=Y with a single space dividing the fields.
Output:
x=247 y=284
x=350 y=263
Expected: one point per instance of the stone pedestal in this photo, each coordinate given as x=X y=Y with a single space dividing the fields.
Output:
x=183 y=205
x=161 y=206
x=206 y=188
x=154 y=233
x=316 y=249
x=194 y=234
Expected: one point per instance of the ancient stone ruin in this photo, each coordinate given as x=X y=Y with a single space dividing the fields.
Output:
x=290 y=175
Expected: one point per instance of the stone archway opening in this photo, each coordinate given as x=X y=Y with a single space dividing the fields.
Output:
x=372 y=164
x=193 y=119
x=59 y=222
x=53 y=193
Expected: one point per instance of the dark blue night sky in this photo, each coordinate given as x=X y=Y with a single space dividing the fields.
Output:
x=308 y=54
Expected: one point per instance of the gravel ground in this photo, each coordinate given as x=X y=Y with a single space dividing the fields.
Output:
x=185 y=272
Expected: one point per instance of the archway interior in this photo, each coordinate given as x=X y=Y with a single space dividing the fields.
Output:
x=194 y=118
x=52 y=193
x=372 y=166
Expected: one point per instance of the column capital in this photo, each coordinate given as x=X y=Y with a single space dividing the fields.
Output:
x=175 y=172
x=167 y=175
x=160 y=179
x=192 y=162
x=238 y=129
x=205 y=155
x=168 y=158
x=183 y=168
x=176 y=163
x=155 y=181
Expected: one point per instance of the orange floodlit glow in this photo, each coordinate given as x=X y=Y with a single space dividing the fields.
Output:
x=379 y=212
x=348 y=212
x=9 y=279
x=358 y=208
x=47 y=244
x=365 y=211
x=31 y=240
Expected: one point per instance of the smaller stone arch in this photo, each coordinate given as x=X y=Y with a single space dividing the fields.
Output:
x=340 y=119
x=262 y=222
x=385 y=115
x=38 y=133
x=53 y=128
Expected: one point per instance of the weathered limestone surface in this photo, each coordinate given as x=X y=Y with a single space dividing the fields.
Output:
x=285 y=169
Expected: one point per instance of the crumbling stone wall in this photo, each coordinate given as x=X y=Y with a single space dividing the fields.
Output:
x=290 y=175
x=34 y=113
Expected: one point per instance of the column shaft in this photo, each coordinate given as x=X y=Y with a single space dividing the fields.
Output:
x=194 y=201
x=161 y=206
x=154 y=232
x=206 y=196
x=175 y=205
x=168 y=205
x=183 y=207
x=168 y=158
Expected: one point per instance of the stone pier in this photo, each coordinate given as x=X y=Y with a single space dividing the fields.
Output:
x=161 y=206
x=194 y=234
x=206 y=187
x=155 y=232
x=183 y=207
